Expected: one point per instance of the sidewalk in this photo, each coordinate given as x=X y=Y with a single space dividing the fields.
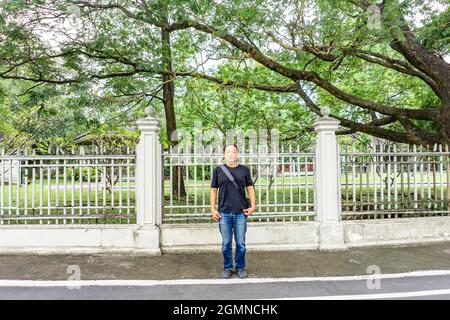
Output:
x=281 y=264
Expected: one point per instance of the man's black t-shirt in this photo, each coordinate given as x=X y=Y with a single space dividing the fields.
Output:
x=229 y=198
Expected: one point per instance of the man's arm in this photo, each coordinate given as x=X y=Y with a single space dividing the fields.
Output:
x=212 y=201
x=252 y=195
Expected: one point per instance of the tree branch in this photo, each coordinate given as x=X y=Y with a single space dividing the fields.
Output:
x=420 y=57
x=324 y=53
x=124 y=10
x=235 y=84
x=373 y=127
x=313 y=77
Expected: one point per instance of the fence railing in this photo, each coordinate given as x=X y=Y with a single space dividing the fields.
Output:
x=401 y=181
x=93 y=187
x=74 y=188
x=284 y=185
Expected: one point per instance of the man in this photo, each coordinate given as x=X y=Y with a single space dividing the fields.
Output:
x=233 y=208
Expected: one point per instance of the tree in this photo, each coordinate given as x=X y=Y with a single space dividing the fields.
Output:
x=222 y=108
x=107 y=55
x=317 y=53
x=320 y=50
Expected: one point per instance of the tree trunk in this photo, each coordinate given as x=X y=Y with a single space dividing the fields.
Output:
x=444 y=115
x=178 y=188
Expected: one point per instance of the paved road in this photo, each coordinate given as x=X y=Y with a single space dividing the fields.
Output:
x=415 y=285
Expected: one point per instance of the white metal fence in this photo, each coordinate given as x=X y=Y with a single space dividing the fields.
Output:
x=284 y=185
x=82 y=186
x=400 y=181
x=76 y=187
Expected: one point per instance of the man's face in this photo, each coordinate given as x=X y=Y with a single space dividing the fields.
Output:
x=231 y=154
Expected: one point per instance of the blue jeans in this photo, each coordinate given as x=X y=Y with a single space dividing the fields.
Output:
x=228 y=223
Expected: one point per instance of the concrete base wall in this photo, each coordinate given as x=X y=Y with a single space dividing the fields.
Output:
x=79 y=239
x=260 y=236
x=396 y=231
x=206 y=237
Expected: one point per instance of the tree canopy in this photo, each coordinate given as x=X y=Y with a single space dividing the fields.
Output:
x=381 y=66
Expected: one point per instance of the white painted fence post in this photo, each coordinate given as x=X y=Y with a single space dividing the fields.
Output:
x=148 y=185
x=327 y=202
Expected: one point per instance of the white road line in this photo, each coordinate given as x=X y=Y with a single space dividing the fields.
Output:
x=375 y=296
x=64 y=283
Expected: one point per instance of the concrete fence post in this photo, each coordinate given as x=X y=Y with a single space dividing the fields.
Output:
x=327 y=202
x=148 y=185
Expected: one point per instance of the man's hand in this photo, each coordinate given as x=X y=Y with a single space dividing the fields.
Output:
x=215 y=214
x=249 y=211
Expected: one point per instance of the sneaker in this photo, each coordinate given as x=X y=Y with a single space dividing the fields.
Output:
x=226 y=274
x=242 y=274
